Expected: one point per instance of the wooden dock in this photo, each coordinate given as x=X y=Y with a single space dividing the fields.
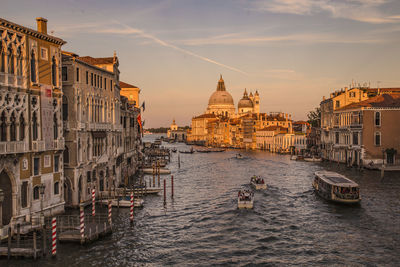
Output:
x=93 y=231
x=21 y=252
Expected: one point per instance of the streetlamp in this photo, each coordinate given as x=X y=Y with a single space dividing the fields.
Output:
x=1 y=207
x=41 y=191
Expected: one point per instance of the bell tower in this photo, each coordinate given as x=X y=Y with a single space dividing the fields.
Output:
x=256 y=102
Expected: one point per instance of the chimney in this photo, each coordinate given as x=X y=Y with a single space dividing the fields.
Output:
x=41 y=25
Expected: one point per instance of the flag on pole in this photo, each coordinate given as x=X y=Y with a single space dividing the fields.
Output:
x=139 y=120
x=143 y=106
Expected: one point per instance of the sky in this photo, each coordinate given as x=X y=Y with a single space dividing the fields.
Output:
x=293 y=52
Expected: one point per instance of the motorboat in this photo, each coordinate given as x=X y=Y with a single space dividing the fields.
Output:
x=239 y=156
x=336 y=187
x=293 y=157
x=124 y=202
x=258 y=183
x=191 y=151
x=174 y=150
x=313 y=159
x=245 y=199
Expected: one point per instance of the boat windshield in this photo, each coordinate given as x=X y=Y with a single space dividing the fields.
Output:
x=346 y=192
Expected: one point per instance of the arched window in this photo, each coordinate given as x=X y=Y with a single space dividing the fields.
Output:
x=66 y=155
x=11 y=61
x=54 y=71
x=13 y=128
x=2 y=58
x=3 y=127
x=377 y=118
x=55 y=126
x=34 y=126
x=377 y=138
x=56 y=188
x=65 y=107
x=21 y=128
x=33 y=66
x=36 y=193
x=19 y=61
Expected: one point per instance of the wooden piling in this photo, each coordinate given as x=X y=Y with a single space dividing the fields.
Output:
x=34 y=245
x=165 y=195
x=179 y=160
x=172 y=186
x=18 y=234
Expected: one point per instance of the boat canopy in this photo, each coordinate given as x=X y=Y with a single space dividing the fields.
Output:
x=335 y=179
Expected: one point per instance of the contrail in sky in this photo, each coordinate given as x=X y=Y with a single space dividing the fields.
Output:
x=130 y=30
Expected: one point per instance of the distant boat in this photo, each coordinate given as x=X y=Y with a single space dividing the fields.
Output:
x=313 y=159
x=174 y=150
x=258 y=182
x=191 y=151
x=293 y=157
x=336 y=187
x=239 y=156
x=150 y=171
x=245 y=199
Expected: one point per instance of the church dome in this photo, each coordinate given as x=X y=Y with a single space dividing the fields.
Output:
x=245 y=102
x=221 y=96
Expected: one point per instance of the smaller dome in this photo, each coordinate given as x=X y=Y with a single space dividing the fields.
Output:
x=245 y=103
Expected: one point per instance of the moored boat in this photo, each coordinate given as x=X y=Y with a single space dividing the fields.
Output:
x=245 y=199
x=124 y=202
x=336 y=187
x=313 y=159
x=151 y=170
x=239 y=156
x=258 y=182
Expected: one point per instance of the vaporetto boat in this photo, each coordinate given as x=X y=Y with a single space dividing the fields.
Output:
x=245 y=199
x=336 y=187
x=258 y=183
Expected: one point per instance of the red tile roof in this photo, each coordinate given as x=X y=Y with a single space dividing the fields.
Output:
x=126 y=85
x=380 y=101
x=210 y=116
x=98 y=60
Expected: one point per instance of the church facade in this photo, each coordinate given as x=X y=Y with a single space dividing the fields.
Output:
x=224 y=125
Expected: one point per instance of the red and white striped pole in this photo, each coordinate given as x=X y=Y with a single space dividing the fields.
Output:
x=109 y=211
x=131 y=213
x=93 y=202
x=82 y=223
x=54 y=236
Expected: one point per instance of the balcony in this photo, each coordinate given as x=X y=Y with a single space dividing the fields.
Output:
x=38 y=146
x=13 y=147
x=13 y=80
x=98 y=126
x=59 y=144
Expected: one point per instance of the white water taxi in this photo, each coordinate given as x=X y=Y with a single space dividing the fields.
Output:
x=124 y=202
x=336 y=187
x=313 y=159
x=258 y=182
x=245 y=199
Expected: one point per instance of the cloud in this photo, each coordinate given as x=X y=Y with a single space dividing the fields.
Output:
x=359 y=10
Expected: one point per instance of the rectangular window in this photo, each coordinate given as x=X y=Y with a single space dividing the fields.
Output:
x=56 y=163
x=336 y=138
x=101 y=82
x=95 y=80
x=105 y=83
x=36 y=163
x=46 y=161
x=43 y=53
x=111 y=85
x=64 y=74
x=77 y=74
x=24 y=194
x=87 y=77
x=91 y=79
x=355 y=138
x=337 y=104
x=88 y=176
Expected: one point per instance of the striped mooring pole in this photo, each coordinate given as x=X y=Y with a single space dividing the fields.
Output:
x=82 y=223
x=54 y=236
x=93 y=202
x=131 y=211
x=109 y=211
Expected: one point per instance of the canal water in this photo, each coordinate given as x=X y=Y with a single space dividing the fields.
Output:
x=288 y=226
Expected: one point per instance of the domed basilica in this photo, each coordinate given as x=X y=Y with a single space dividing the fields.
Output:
x=221 y=102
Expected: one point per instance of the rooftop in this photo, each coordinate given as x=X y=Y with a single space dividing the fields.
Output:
x=379 y=101
x=126 y=85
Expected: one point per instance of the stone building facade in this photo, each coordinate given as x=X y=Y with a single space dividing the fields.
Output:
x=31 y=139
x=92 y=126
